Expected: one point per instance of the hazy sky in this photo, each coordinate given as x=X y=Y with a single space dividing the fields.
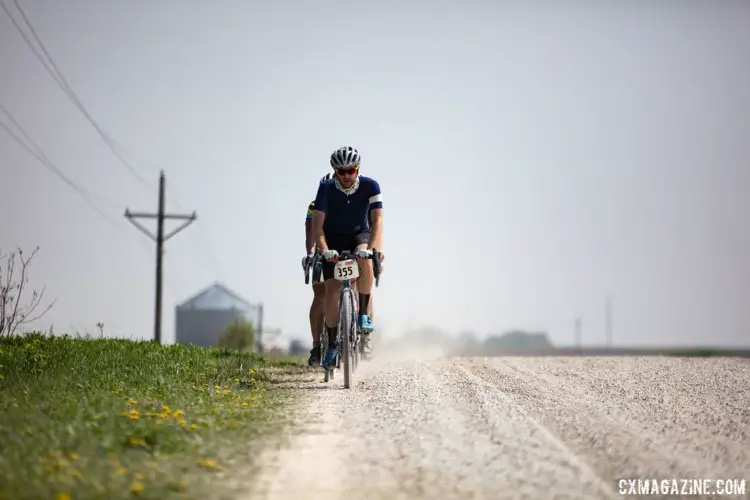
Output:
x=533 y=157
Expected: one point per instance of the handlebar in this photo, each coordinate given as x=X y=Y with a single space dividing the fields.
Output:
x=317 y=259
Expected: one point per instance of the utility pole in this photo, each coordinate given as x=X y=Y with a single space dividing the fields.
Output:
x=578 y=334
x=260 y=328
x=608 y=315
x=160 y=239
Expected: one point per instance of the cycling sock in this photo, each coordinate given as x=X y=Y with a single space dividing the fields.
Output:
x=332 y=331
x=364 y=301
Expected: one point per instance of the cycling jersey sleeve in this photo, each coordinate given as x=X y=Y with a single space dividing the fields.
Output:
x=310 y=209
x=321 y=199
x=376 y=197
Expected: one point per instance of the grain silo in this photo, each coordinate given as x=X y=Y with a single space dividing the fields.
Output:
x=202 y=319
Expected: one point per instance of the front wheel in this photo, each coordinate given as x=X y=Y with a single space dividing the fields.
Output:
x=346 y=324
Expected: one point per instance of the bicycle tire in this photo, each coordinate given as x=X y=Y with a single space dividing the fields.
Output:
x=346 y=317
x=324 y=345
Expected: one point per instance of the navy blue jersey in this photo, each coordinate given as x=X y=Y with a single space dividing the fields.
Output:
x=347 y=214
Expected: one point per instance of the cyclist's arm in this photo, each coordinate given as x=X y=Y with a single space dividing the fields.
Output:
x=376 y=217
x=376 y=232
x=309 y=239
x=319 y=238
x=318 y=216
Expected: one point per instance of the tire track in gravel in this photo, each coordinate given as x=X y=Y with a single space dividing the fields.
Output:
x=624 y=439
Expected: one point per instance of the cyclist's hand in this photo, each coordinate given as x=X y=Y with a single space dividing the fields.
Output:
x=363 y=253
x=381 y=256
x=330 y=255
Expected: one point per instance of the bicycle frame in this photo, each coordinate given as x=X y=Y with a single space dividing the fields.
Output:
x=349 y=333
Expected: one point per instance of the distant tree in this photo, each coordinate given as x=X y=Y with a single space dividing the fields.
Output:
x=427 y=335
x=518 y=339
x=467 y=343
x=240 y=334
x=296 y=347
x=15 y=309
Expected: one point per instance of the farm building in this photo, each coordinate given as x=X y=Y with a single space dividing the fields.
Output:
x=203 y=318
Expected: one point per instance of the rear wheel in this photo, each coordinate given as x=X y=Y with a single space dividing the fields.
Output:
x=355 y=350
x=324 y=347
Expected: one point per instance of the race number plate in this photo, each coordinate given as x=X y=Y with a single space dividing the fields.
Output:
x=346 y=270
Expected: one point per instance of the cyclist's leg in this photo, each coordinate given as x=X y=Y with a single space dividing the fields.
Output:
x=316 y=321
x=369 y=305
x=364 y=284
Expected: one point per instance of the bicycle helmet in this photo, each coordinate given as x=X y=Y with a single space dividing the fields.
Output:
x=345 y=157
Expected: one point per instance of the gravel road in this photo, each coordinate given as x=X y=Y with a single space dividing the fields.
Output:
x=419 y=427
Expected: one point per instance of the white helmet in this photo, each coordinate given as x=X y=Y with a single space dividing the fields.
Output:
x=345 y=157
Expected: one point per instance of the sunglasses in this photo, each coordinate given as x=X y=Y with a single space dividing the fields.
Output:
x=346 y=171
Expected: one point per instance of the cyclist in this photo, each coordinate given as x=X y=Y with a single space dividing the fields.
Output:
x=340 y=222
x=318 y=303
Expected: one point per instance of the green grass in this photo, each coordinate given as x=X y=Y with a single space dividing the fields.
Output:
x=110 y=418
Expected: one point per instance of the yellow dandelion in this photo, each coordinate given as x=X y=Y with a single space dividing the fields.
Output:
x=193 y=427
x=245 y=403
x=178 y=413
x=137 y=441
x=182 y=421
x=63 y=496
x=132 y=402
x=176 y=484
x=165 y=409
x=207 y=463
x=136 y=488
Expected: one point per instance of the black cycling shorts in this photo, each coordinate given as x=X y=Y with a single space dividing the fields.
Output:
x=341 y=243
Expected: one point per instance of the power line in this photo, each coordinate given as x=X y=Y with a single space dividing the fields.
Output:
x=59 y=78
x=61 y=82
x=34 y=150
x=45 y=161
x=209 y=248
